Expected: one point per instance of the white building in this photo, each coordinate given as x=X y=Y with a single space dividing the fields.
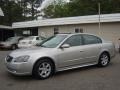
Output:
x=110 y=26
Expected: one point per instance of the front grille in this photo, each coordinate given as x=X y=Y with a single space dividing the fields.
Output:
x=9 y=58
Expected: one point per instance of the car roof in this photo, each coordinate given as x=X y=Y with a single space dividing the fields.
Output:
x=70 y=34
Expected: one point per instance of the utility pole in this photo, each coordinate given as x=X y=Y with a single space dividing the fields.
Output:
x=99 y=12
x=1 y=14
x=54 y=2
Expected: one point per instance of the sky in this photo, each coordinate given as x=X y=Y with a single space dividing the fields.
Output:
x=45 y=4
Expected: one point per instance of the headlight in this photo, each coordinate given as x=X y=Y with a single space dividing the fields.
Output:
x=22 y=58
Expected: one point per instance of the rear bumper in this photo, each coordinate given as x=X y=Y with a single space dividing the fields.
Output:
x=6 y=47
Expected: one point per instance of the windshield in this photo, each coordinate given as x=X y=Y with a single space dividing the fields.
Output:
x=53 y=41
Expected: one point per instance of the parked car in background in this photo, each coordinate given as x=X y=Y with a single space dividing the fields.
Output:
x=40 y=41
x=11 y=43
x=60 y=52
x=30 y=41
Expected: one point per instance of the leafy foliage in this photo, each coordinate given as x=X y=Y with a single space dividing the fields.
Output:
x=12 y=12
x=22 y=10
x=17 y=10
x=81 y=7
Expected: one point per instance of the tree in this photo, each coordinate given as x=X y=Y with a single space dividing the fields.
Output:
x=30 y=9
x=56 y=9
x=17 y=10
x=82 y=7
x=12 y=12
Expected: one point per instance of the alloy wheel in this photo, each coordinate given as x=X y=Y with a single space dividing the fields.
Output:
x=104 y=60
x=44 y=69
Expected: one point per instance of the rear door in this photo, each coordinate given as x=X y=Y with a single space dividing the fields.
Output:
x=92 y=47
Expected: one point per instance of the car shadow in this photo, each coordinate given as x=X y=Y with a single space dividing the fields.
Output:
x=76 y=70
x=81 y=69
x=20 y=78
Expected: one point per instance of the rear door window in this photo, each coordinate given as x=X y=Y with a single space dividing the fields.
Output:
x=90 y=39
x=37 y=38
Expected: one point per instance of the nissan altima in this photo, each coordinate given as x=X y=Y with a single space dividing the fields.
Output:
x=60 y=52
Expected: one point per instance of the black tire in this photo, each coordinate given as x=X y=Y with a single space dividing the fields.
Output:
x=104 y=60
x=37 y=73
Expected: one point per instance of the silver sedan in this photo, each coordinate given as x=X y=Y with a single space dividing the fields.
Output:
x=60 y=52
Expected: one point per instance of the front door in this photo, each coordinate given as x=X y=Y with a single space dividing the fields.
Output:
x=74 y=54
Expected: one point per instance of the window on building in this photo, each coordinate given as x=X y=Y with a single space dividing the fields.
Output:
x=78 y=30
x=26 y=32
x=56 y=30
x=81 y=30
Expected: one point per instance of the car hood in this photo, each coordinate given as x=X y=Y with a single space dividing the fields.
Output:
x=29 y=51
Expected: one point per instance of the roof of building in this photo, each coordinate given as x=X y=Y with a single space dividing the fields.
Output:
x=1 y=12
x=69 y=20
x=5 y=27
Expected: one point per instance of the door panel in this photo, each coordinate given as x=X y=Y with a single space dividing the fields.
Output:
x=91 y=52
x=92 y=47
x=70 y=56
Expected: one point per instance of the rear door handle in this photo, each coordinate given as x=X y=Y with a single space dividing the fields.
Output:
x=81 y=51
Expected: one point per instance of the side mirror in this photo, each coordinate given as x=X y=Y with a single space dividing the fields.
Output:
x=65 y=46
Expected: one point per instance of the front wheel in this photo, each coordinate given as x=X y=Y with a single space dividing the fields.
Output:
x=43 y=69
x=104 y=60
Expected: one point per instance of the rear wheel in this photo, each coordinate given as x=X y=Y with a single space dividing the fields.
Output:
x=104 y=59
x=43 y=69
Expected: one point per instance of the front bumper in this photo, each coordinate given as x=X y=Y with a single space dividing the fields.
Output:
x=19 y=68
